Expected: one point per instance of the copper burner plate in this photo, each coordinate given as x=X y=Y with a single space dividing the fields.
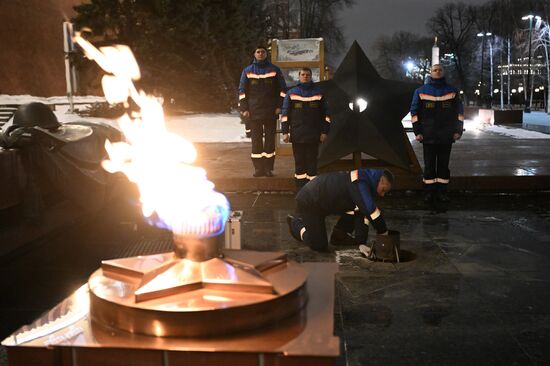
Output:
x=163 y=295
x=67 y=333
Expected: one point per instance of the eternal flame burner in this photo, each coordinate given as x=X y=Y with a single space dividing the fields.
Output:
x=211 y=294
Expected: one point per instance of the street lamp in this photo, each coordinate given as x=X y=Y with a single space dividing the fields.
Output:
x=527 y=99
x=482 y=35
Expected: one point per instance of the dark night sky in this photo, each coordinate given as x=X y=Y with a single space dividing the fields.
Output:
x=368 y=19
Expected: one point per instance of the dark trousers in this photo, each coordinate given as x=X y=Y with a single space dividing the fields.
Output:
x=305 y=162
x=349 y=223
x=263 y=144
x=436 y=166
x=310 y=226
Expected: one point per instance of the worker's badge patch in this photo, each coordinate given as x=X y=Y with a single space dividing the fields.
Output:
x=314 y=104
x=430 y=105
x=298 y=105
x=447 y=104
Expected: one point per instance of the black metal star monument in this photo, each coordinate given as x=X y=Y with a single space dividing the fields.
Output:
x=367 y=111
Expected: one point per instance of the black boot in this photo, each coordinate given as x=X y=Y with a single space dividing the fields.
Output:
x=293 y=224
x=339 y=237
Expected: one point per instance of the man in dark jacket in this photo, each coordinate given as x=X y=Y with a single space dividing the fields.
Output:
x=306 y=123
x=349 y=194
x=261 y=92
x=438 y=118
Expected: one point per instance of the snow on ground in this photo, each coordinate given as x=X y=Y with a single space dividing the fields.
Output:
x=23 y=99
x=228 y=127
x=63 y=116
x=517 y=133
x=208 y=127
x=195 y=128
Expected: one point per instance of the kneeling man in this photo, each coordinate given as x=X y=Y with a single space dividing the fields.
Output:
x=349 y=194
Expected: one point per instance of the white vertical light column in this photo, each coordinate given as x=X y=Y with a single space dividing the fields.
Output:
x=435 y=53
x=70 y=71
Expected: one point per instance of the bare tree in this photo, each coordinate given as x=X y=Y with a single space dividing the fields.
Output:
x=454 y=24
x=307 y=19
x=394 y=52
x=542 y=41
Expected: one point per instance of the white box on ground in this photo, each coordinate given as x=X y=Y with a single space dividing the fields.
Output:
x=233 y=230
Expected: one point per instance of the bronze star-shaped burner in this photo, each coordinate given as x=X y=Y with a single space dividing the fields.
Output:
x=166 y=295
x=373 y=125
x=165 y=275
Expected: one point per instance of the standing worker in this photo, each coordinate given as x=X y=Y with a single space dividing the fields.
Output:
x=349 y=194
x=438 y=119
x=306 y=123
x=261 y=92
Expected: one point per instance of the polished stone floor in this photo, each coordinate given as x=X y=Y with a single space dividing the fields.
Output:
x=481 y=161
x=473 y=287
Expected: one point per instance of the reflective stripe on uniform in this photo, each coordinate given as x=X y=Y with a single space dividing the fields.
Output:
x=429 y=181
x=242 y=96
x=350 y=213
x=375 y=214
x=354 y=174
x=305 y=99
x=251 y=75
x=256 y=156
x=300 y=176
x=270 y=155
x=327 y=118
x=414 y=118
x=302 y=232
x=311 y=177
x=284 y=118
x=442 y=180
x=282 y=94
x=433 y=98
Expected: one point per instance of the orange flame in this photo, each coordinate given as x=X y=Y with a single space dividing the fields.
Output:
x=157 y=160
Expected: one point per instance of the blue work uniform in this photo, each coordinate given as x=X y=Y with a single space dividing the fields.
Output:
x=261 y=91
x=437 y=114
x=341 y=193
x=305 y=117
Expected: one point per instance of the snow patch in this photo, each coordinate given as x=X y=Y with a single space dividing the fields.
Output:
x=24 y=99
x=346 y=256
x=517 y=133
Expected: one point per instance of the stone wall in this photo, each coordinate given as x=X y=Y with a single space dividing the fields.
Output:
x=31 y=46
